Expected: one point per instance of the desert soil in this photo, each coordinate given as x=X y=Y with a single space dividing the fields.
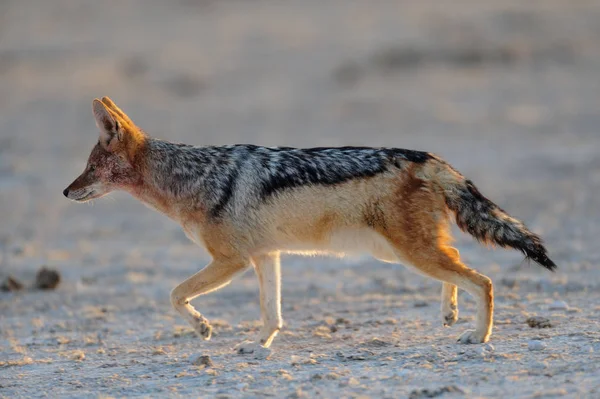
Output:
x=506 y=91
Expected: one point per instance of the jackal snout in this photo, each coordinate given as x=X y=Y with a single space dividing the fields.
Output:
x=87 y=186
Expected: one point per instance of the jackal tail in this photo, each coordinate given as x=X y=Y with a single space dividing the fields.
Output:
x=486 y=221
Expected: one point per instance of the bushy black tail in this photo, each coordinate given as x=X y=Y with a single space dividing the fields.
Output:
x=484 y=220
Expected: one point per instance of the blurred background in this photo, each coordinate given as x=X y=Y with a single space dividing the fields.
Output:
x=506 y=91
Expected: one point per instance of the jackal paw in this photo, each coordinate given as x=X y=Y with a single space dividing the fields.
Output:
x=252 y=348
x=450 y=316
x=473 y=337
x=202 y=327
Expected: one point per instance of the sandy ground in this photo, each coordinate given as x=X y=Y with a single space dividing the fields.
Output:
x=507 y=92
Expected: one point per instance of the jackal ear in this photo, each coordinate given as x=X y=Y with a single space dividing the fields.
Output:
x=113 y=107
x=108 y=125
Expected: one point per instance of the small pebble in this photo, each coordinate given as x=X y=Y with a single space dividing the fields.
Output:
x=535 y=345
x=47 y=279
x=11 y=284
x=203 y=360
x=377 y=343
x=538 y=322
x=433 y=393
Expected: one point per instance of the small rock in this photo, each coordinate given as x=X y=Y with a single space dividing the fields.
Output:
x=432 y=393
x=538 y=322
x=78 y=355
x=11 y=284
x=377 y=343
x=558 y=305
x=535 y=345
x=47 y=279
x=203 y=360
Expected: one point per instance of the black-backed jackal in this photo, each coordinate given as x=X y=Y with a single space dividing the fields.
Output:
x=246 y=204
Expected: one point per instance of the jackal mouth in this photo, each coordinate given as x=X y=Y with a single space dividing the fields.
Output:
x=86 y=197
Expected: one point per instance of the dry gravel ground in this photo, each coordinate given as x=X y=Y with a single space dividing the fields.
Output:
x=507 y=92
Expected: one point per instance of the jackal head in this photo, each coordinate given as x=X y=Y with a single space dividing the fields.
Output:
x=112 y=163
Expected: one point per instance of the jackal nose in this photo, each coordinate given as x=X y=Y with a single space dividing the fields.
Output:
x=66 y=192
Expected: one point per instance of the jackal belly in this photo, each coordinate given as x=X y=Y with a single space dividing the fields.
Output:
x=342 y=242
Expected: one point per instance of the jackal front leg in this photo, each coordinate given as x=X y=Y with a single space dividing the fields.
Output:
x=268 y=270
x=215 y=275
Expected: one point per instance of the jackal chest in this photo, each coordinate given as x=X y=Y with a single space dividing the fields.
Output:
x=193 y=232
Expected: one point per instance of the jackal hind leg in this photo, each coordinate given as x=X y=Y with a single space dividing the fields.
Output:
x=449 y=303
x=215 y=275
x=417 y=226
x=443 y=264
